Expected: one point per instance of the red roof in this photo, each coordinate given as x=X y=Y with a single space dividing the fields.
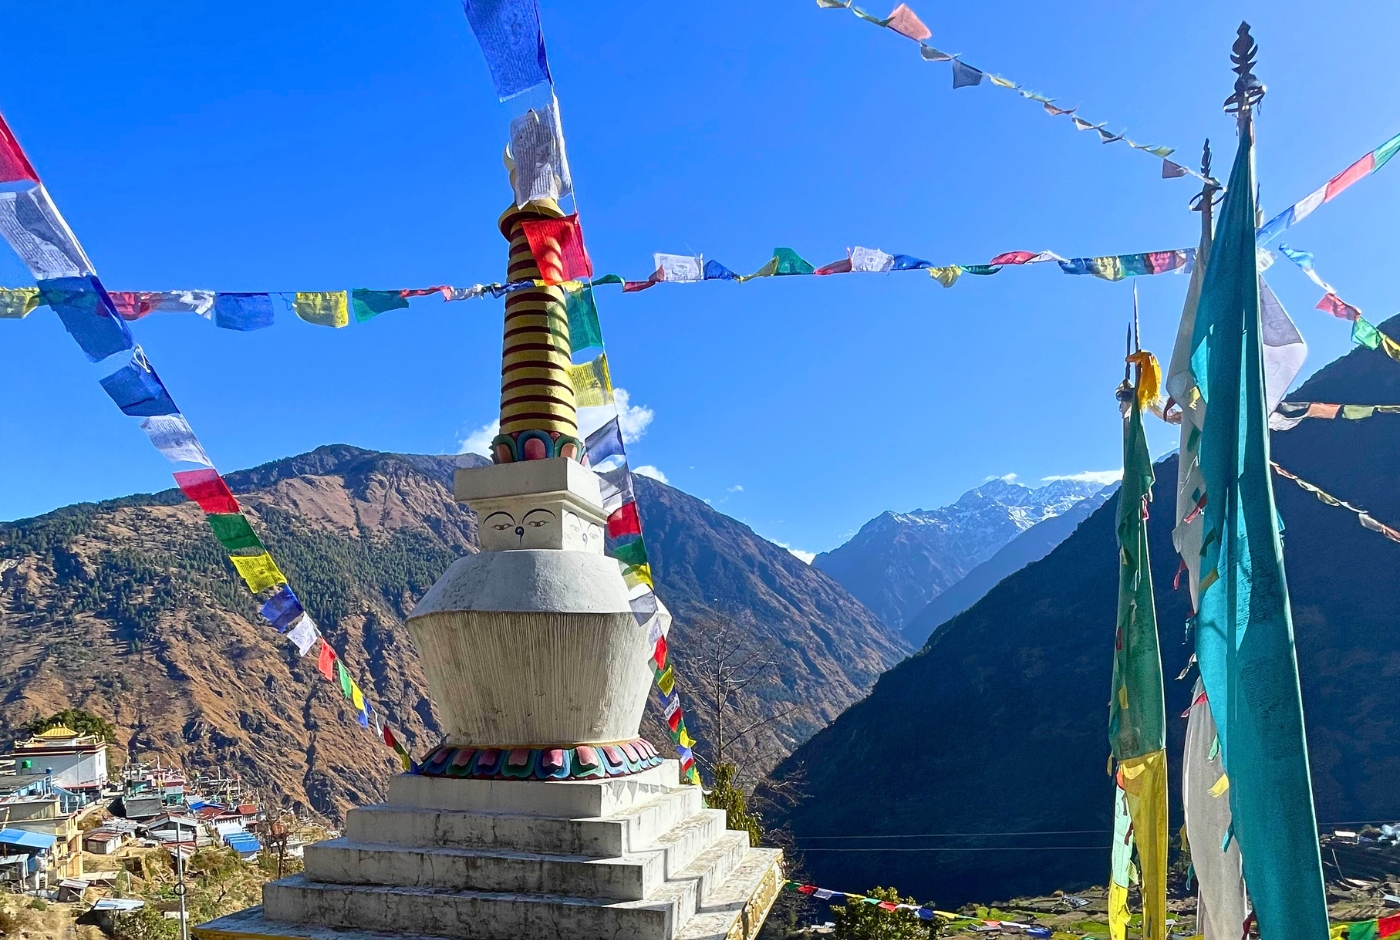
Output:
x=248 y=809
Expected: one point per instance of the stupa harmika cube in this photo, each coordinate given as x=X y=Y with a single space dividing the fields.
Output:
x=543 y=815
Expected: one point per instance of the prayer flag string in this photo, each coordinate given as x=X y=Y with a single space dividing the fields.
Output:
x=1362 y=515
x=1289 y=414
x=1328 y=191
x=1363 y=332
x=921 y=911
x=97 y=321
x=903 y=20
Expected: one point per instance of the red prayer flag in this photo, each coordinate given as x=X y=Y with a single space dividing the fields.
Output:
x=1386 y=926
x=659 y=654
x=888 y=906
x=557 y=245
x=14 y=165
x=806 y=889
x=836 y=267
x=1013 y=257
x=674 y=722
x=904 y=21
x=131 y=304
x=1338 y=307
x=631 y=287
x=326 y=661
x=422 y=291
x=624 y=521
x=1348 y=176
x=208 y=489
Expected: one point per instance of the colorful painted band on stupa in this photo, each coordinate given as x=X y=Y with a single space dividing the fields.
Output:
x=581 y=762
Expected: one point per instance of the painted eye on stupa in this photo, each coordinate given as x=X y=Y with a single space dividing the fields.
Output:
x=542 y=517
x=500 y=520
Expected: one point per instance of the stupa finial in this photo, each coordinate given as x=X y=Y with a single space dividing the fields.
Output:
x=1249 y=91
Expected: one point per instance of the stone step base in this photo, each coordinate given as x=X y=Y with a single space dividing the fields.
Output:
x=627 y=830
x=734 y=910
x=631 y=876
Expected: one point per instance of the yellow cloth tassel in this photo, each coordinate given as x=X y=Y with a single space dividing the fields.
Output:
x=1220 y=786
x=1149 y=386
x=1145 y=783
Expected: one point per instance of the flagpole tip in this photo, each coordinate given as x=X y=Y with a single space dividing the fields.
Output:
x=1249 y=91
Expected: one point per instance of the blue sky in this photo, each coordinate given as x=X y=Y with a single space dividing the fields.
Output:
x=319 y=146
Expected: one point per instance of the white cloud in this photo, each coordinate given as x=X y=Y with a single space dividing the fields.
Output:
x=647 y=470
x=632 y=419
x=805 y=557
x=736 y=488
x=1005 y=478
x=479 y=441
x=1103 y=477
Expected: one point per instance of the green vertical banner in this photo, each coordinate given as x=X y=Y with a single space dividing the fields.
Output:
x=1244 y=631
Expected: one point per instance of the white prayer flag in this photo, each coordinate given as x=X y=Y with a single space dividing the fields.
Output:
x=1305 y=207
x=683 y=268
x=173 y=437
x=537 y=148
x=304 y=634
x=31 y=223
x=200 y=302
x=870 y=260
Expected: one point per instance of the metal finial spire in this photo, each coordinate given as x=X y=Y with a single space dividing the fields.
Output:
x=1249 y=91
x=1205 y=159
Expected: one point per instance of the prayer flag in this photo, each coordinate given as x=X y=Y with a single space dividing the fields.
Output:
x=1172 y=170
x=1365 y=334
x=1338 y=307
x=88 y=315
x=208 y=489
x=908 y=263
x=363 y=717
x=604 y=443
x=947 y=276
x=304 y=634
x=714 y=271
x=624 y=521
x=35 y=229
x=540 y=166
x=259 y=572
x=870 y=260
x=1348 y=176
x=243 y=312
x=508 y=32
x=682 y=268
x=931 y=54
x=557 y=245
x=592 y=383
x=138 y=391
x=666 y=681
x=282 y=609
x=16 y=303
x=868 y=17
x=1014 y=257
x=768 y=270
x=789 y=262
x=356 y=697
x=1244 y=630
x=343 y=677
x=615 y=486
x=322 y=307
x=1120 y=866
x=173 y=437
x=632 y=287
x=903 y=21
x=14 y=165
x=371 y=303
x=1053 y=111
x=980 y=270
x=1005 y=83
x=836 y=267
x=1356 y=412
x=325 y=662
x=233 y=531
x=638 y=574
x=1222 y=903
x=964 y=75
x=584 y=331
x=631 y=553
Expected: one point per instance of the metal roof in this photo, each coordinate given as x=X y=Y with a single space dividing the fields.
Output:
x=30 y=840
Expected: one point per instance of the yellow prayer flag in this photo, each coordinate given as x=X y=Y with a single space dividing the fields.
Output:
x=259 y=572
x=17 y=302
x=1001 y=82
x=356 y=697
x=685 y=740
x=666 y=681
x=1117 y=911
x=768 y=270
x=1123 y=697
x=1220 y=786
x=946 y=276
x=592 y=382
x=1145 y=783
x=1356 y=412
x=634 y=575
x=1391 y=347
x=323 y=307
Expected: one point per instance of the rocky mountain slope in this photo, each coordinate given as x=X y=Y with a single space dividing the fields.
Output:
x=998 y=726
x=1031 y=545
x=899 y=561
x=129 y=609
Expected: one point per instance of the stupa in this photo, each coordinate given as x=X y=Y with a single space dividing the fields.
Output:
x=543 y=815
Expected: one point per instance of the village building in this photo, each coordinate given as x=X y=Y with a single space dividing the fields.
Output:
x=75 y=761
x=32 y=802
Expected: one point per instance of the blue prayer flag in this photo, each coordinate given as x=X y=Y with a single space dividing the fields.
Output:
x=964 y=75
x=909 y=263
x=1076 y=266
x=242 y=311
x=714 y=271
x=88 y=315
x=604 y=443
x=508 y=32
x=1275 y=225
x=282 y=609
x=138 y=391
x=363 y=718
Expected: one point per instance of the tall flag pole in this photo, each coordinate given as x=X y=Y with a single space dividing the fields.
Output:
x=1244 y=627
x=1137 y=709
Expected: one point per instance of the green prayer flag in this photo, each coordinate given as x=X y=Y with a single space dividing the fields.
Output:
x=1137 y=718
x=982 y=269
x=233 y=531
x=371 y=303
x=1365 y=334
x=584 y=332
x=1366 y=930
x=1356 y=412
x=869 y=17
x=1384 y=152
x=790 y=262
x=633 y=553
x=609 y=279
x=345 y=684
x=1162 y=152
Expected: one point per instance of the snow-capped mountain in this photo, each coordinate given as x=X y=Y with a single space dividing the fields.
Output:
x=899 y=561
